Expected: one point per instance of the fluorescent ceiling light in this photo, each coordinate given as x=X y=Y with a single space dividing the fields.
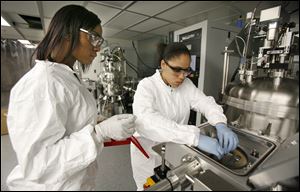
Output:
x=3 y=22
x=31 y=46
x=24 y=42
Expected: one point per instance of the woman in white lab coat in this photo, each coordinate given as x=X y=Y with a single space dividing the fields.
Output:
x=162 y=104
x=52 y=116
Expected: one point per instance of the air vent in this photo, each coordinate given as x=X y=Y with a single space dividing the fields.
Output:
x=33 y=22
x=117 y=4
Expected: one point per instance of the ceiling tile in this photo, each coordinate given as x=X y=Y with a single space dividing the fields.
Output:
x=51 y=7
x=124 y=20
x=126 y=34
x=194 y=19
x=108 y=32
x=14 y=17
x=189 y=9
x=217 y=14
x=117 y=4
x=148 y=25
x=152 y=7
x=104 y=13
x=21 y=7
x=247 y=6
x=10 y=33
x=47 y=23
x=143 y=36
x=166 y=29
x=33 y=34
x=221 y=13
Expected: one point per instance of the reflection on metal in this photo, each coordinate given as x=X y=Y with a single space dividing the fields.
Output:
x=180 y=177
x=114 y=83
x=112 y=88
x=236 y=159
x=257 y=164
x=266 y=100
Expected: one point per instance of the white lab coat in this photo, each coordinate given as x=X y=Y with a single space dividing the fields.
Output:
x=162 y=116
x=50 y=122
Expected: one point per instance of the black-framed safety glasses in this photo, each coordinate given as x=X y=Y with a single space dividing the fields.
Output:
x=95 y=39
x=179 y=70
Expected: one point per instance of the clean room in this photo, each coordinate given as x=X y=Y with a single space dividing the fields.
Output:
x=150 y=95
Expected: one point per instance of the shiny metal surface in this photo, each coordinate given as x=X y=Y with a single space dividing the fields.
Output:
x=264 y=107
x=253 y=148
x=280 y=167
x=215 y=175
x=179 y=176
x=116 y=88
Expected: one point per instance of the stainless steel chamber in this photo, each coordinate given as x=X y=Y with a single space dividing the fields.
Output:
x=264 y=107
x=259 y=173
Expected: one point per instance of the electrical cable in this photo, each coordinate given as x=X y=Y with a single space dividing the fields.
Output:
x=294 y=11
x=172 y=189
x=127 y=62
x=140 y=57
x=238 y=48
x=244 y=44
x=131 y=67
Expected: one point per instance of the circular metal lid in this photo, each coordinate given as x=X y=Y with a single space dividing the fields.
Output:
x=236 y=159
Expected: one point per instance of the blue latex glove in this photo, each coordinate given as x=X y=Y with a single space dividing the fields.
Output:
x=210 y=145
x=227 y=138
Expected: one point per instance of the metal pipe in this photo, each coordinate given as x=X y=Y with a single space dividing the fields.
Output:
x=226 y=72
x=249 y=32
x=225 y=68
x=163 y=161
x=177 y=176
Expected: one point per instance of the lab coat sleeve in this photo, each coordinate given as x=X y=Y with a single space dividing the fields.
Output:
x=37 y=130
x=153 y=125
x=205 y=104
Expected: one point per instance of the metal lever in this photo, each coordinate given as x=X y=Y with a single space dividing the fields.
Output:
x=163 y=161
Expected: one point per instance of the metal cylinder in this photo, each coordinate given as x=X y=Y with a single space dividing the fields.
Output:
x=177 y=176
x=225 y=70
x=266 y=100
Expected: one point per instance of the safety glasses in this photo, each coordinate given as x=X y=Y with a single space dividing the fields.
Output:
x=95 y=39
x=179 y=70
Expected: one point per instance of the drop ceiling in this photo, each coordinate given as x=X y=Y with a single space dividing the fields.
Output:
x=131 y=20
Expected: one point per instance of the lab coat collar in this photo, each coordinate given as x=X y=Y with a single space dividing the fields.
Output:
x=157 y=75
x=59 y=65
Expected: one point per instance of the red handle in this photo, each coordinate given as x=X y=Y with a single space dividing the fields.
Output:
x=139 y=146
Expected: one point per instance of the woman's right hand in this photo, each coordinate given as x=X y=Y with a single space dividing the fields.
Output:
x=210 y=145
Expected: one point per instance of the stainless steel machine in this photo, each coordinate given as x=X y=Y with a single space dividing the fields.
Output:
x=257 y=164
x=262 y=108
x=265 y=100
x=109 y=82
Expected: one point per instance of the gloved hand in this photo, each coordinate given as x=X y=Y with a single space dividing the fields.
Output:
x=210 y=145
x=117 y=127
x=227 y=138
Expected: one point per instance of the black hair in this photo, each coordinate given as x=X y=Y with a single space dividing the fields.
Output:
x=67 y=21
x=175 y=50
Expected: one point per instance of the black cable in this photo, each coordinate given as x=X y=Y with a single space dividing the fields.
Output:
x=234 y=74
x=140 y=68
x=290 y=13
x=131 y=66
x=128 y=63
x=172 y=189
x=140 y=57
